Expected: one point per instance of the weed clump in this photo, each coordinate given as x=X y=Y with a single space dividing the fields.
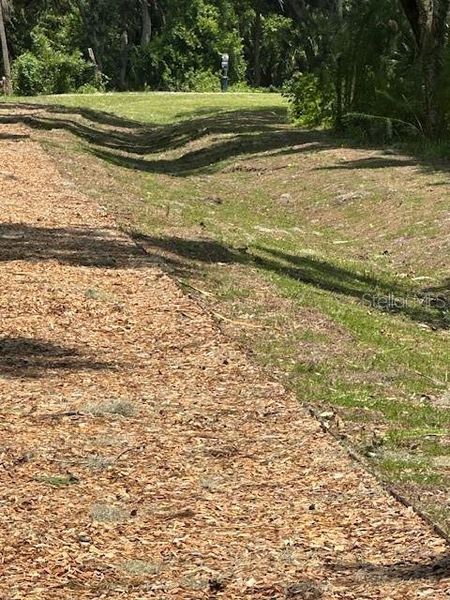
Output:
x=106 y=513
x=119 y=407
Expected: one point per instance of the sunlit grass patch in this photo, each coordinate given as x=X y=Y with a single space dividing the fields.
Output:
x=107 y=513
x=119 y=407
x=58 y=481
x=141 y=568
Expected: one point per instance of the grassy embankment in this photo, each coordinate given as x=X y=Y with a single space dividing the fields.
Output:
x=329 y=261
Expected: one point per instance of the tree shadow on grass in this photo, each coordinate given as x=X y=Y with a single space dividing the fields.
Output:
x=129 y=144
x=210 y=158
x=97 y=117
x=222 y=134
x=30 y=358
x=139 y=138
x=385 y=296
x=443 y=289
x=374 y=162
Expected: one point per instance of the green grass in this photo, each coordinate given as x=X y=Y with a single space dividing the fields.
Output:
x=326 y=258
x=58 y=481
x=164 y=107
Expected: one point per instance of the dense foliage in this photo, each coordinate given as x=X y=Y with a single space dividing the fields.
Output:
x=387 y=58
x=381 y=57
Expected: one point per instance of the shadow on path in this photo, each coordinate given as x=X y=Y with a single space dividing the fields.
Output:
x=22 y=357
x=14 y=137
x=73 y=246
x=437 y=569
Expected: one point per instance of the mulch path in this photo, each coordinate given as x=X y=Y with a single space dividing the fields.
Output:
x=142 y=455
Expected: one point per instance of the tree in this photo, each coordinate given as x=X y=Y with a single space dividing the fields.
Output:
x=378 y=57
x=252 y=25
x=257 y=34
x=428 y=21
x=4 y=6
x=147 y=25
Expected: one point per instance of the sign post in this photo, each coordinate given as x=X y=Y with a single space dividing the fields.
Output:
x=225 y=64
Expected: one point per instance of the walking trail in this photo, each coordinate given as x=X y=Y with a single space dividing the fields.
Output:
x=142 y=455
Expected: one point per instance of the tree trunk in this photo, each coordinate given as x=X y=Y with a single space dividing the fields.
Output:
x=298 y=9
x=257 y=33
x=5 y=53
x=124 y=51
x=430 y=71
x=428 y=20
x=339 y=93
x=146 y=23
x=98 y=54
x=339 y=14
x=432 y=63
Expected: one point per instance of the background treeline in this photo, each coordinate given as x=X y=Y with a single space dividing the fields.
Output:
x=154 y=44
x=387 y=58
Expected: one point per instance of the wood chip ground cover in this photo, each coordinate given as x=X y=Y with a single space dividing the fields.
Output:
x=143 y=456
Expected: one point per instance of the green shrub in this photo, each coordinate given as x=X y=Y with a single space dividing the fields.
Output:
x=68 y=72
x=54 y=73
x=95 y=84
x=377 y=129
x=311 y=99
x=280 y=50
x=204 y=81
x=27 y=75
x=89 y=88
x=244 y=87
x=46 y=70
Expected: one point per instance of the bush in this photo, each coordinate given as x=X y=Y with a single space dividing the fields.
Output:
x=377 y=129
x=27 y=73
x=280 y=50
x=68 y=72
x=311 y=99
x=243 y=87
x=95 y=87
x=45 y=70
x=204 y=81
x=56 y=73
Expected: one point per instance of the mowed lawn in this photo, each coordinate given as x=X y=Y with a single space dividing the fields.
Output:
x=164 y=107
x=328 y=260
